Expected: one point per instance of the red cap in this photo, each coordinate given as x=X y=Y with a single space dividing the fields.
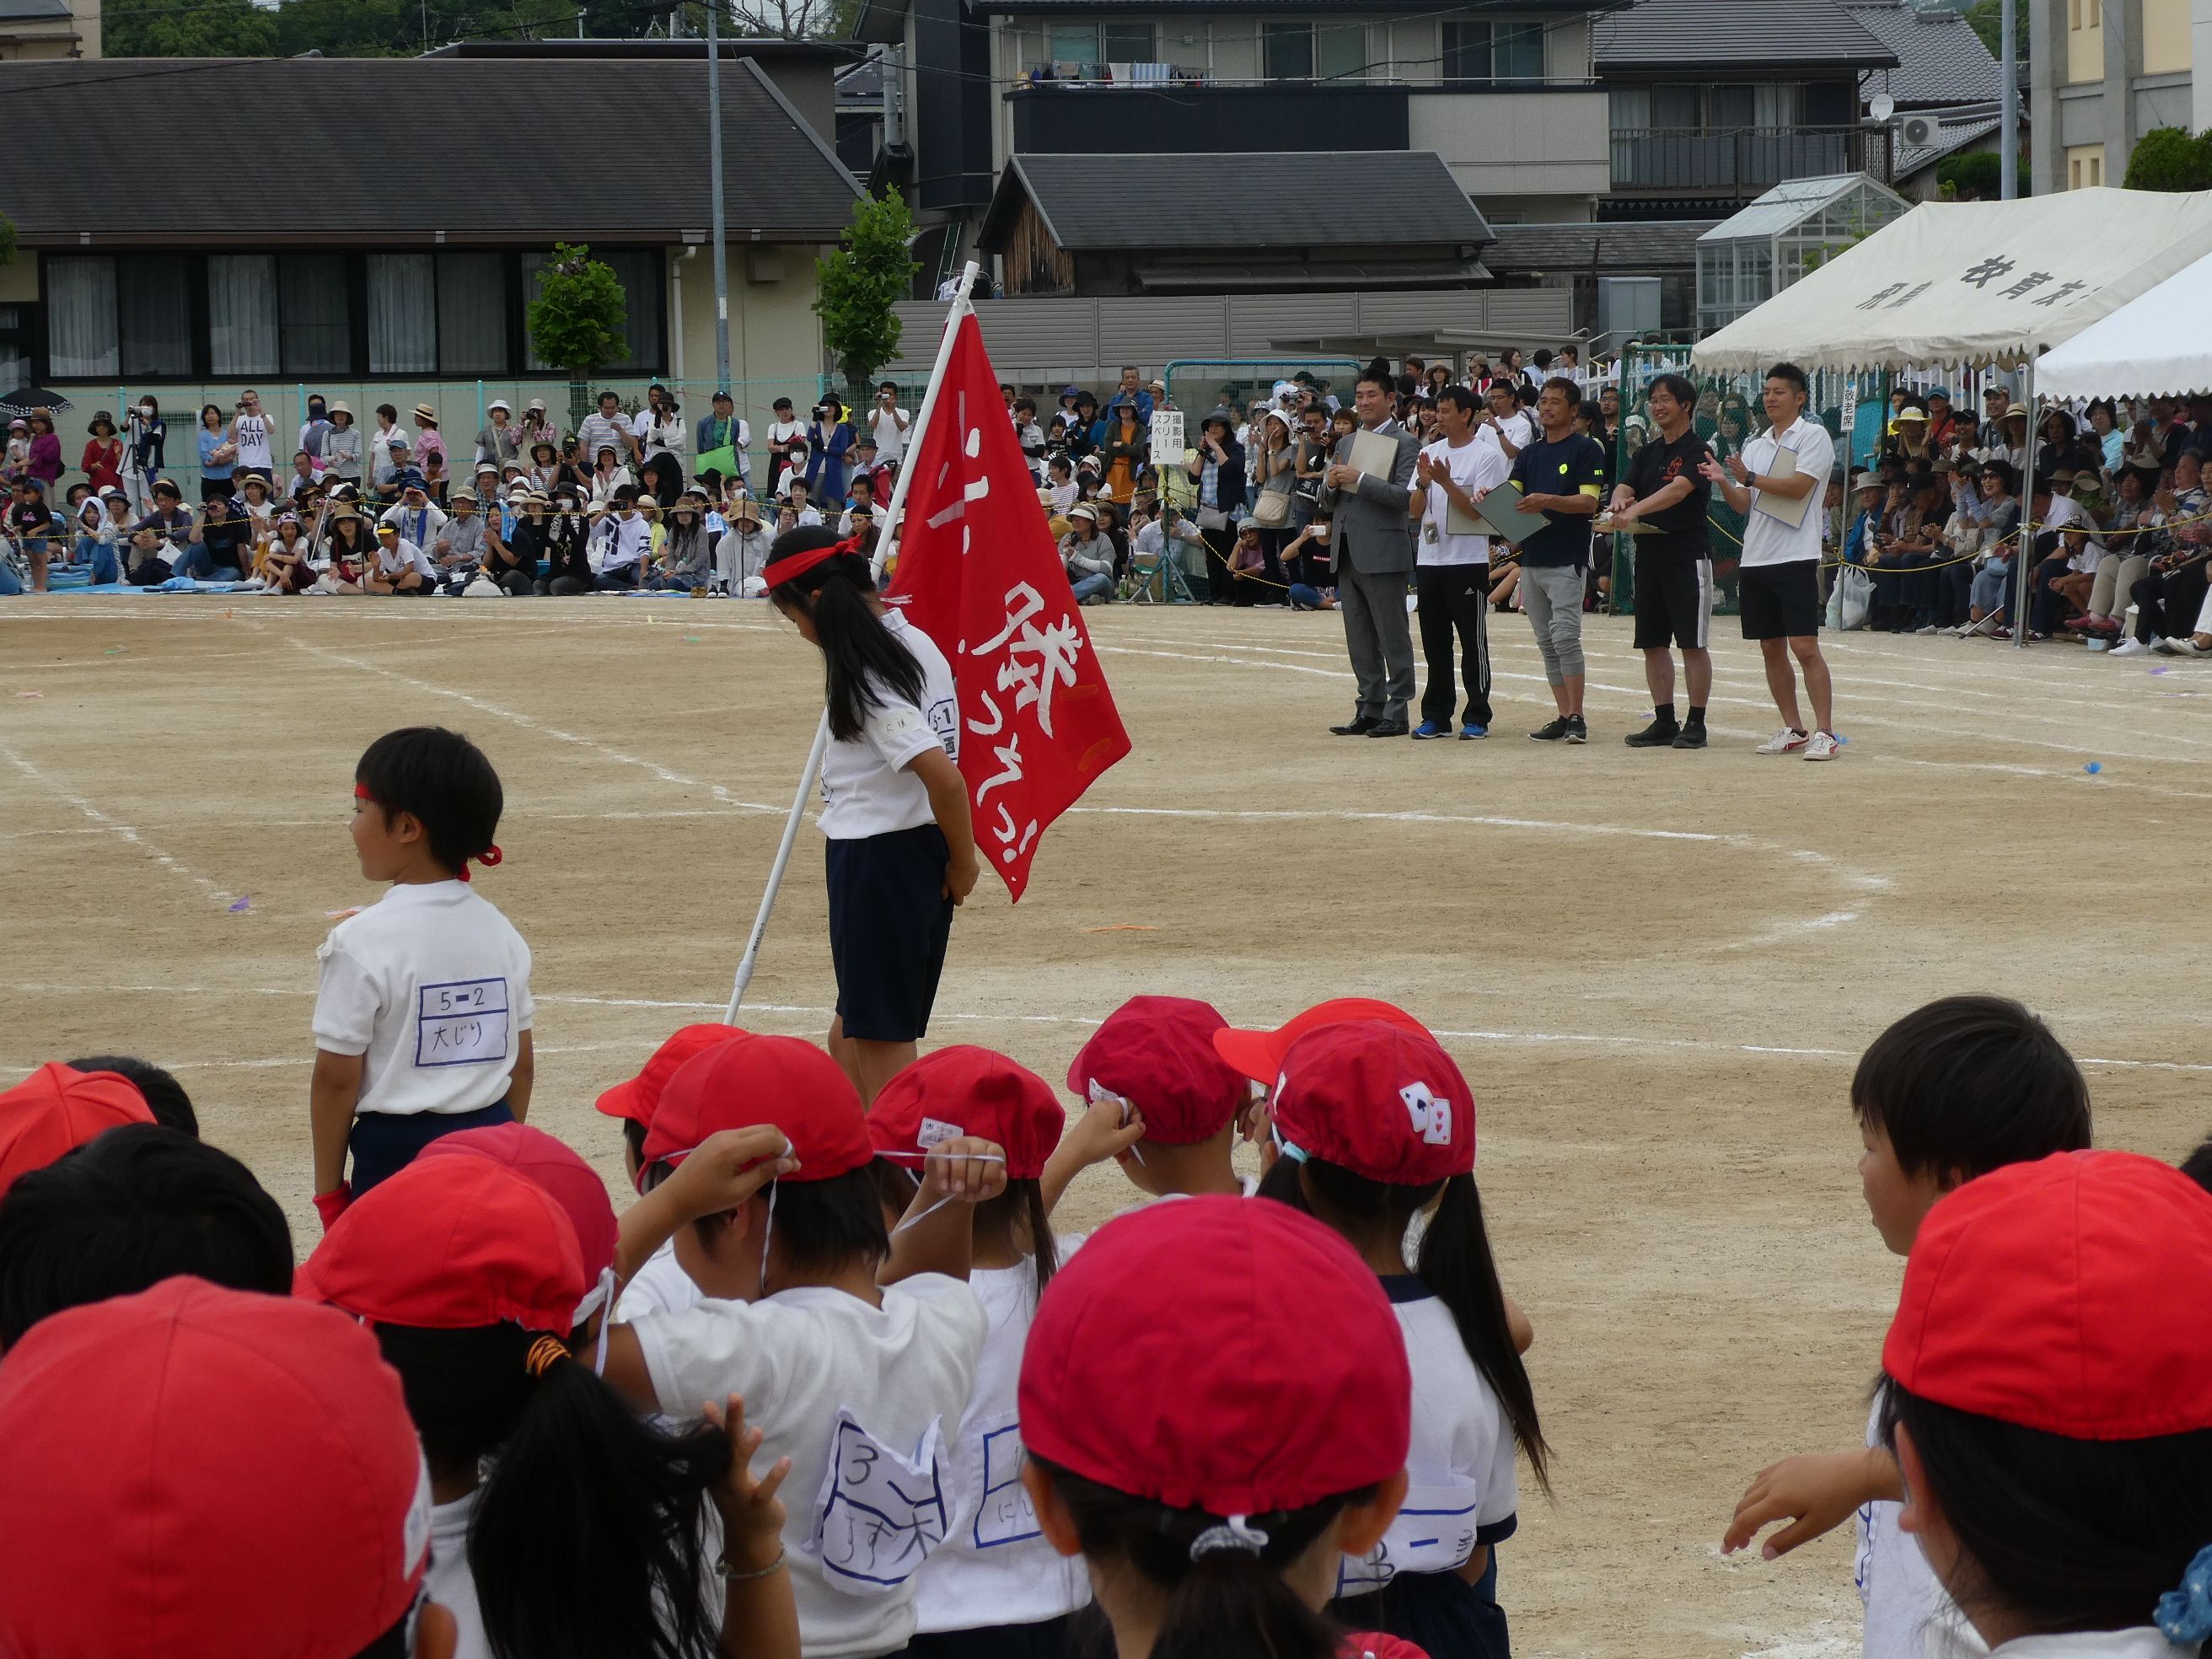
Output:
x=1259 y=1054
x=451 y=1244
x=1383 y=1102
x=765 y=1079
x=1157 y=1053
x=1217 y=1353
x=559 y=1170
x=57 y=1107
x=198 y=1474
x=636 y=1098
x=966 y=1090
x=1377 y=1645
x=2034 y=1295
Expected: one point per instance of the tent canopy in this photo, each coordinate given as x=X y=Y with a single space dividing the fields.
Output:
x=2155 y=345
x=1971 y=282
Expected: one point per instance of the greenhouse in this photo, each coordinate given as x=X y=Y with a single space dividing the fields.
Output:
x=1798 y=226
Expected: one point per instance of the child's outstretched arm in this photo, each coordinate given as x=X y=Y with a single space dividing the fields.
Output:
x=937 y=1235
x=332 y=1093
x=1814 y=1491
x=1095 y=1136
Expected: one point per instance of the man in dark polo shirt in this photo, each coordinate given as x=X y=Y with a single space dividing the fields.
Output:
x=1561 y=476
x=1674 y=563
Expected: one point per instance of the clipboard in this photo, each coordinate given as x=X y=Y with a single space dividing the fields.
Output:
x=1501 y=512
x=1611 y=526
x=1458 y=522
x=1784 y=509
x=1375 y=453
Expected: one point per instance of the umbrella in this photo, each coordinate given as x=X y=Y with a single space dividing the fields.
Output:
x=24 y=399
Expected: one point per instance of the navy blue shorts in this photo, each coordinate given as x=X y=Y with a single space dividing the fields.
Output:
x=385 y=1143
x=889 y=922
x=1440 y=1613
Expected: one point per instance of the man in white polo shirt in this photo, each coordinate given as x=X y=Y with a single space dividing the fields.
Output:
x=1451 y=563
x=1778 y=582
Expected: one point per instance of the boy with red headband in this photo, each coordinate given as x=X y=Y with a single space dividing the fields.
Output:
x=422 y=1018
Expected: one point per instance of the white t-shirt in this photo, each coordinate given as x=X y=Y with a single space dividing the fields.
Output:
x=891 y=437
x=449 y=1581
x=659 y=1286
x=1462 y=1489
x=1474 y=465
x=431 y=985
x=1908 y=1614
x=994 y=1566
x=1767 y=540
x=1519 y=429
x=822 y=1373
x=399 y=556
x=2140 y=1642
x=865 y=791
x=250 y=433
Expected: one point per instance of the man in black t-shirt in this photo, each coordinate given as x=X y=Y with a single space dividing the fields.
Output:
x=1665 y=491
x=1561 y=476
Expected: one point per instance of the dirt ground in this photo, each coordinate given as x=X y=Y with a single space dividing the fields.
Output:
x=1656 y=968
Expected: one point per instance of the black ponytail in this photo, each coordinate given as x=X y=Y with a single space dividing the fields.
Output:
x=1018 y=1209
x=1226 y=1603
x=1454 y=1261
x=586 y=1537
x=860 y=659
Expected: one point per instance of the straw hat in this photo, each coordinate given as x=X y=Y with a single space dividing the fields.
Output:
x=424 y=412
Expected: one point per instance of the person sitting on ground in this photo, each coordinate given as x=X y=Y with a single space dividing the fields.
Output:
x=621 y=545
x=399 y=567
x=1250 y=584
x=458 y=547
x=742 y=550
x=1088 y=558
x=221 y=543
x=349 y=551
x=1305 y=562
x=685 y=562
x=283 y=567
x=1998 y=514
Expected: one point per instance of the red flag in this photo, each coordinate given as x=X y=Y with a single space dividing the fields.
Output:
x=979 y=572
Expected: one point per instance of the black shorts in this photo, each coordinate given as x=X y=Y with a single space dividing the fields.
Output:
x=1673 y=599
x=889 y=922
x=1780 y=601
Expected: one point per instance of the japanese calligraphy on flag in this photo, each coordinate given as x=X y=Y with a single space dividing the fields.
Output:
x=979 y=572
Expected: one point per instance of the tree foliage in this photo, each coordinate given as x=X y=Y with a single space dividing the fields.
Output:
x=160 y=28
x=2169 y=158
x=581 y=311
x=1977 y=177
x=858 y=282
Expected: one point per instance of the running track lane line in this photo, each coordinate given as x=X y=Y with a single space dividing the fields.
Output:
x=109 y=825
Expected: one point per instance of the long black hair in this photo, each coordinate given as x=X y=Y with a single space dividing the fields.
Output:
x=1225 y=1603
x=860 y=659
x=586 y=1539
x=1020 y=1207
x=1454 y=1261
x=2065 y=1534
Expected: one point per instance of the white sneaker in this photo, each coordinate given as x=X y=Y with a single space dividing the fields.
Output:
x=2189 y=649
x=1929 y=628
x=2131 y=647
x=1784 y=742
x=2164 y=647
x=1821 y=745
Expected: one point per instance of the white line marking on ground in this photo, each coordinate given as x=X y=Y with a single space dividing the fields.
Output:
x=114 y=826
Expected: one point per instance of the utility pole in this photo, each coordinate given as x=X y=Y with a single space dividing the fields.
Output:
x=714 y=184
x=2008 y=106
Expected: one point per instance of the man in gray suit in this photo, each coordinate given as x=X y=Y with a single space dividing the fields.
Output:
x=1373 y=549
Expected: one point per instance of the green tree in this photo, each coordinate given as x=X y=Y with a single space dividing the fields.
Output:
x=7 y=240
x=578 y=318
x=858 y=282
x=1977 y=177
x=2169 y=158
x=1986 y=18
x=160 y=28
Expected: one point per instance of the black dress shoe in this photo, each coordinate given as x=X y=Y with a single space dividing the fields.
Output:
x=1389 y=729
x=1360 y=727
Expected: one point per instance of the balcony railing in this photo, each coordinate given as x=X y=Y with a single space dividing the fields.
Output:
x=1741 y=161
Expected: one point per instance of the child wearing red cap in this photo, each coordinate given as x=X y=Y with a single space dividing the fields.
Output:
x=1160 y=1103
x=1956 y=1088
x=206 y=1474
x=856 y=1381
x=562 y=1525
x=2047 y=1393
x=422 y=1017
x=57 y=1107
x=900 y=852
x=1213 y=1454
x=1375 y=1126
x=994 y=1586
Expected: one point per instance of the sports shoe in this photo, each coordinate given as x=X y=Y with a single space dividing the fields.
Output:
x=2164 y=647
x=1928 y=628
x=1470 y=731
x=1788 y=741
x=2131 y=647
x=1659 y=734
x=1690 y=736
x=1428 y=729
x=1552 y=731
x=1578 y=732
x=2191 y=648
x=1821 y=745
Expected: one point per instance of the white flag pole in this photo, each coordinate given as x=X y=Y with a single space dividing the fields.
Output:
x=961 y=307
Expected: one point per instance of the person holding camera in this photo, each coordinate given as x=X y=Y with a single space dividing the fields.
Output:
x=829 y=441
x=888 y=422
x=250 y=429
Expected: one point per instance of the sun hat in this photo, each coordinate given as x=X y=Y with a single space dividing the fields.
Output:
x=424 y=412
x=498 y=403
x=340 y=407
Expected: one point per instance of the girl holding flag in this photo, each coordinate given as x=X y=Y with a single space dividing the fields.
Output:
x=902 y=845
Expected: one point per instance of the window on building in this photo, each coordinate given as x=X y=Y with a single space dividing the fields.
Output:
x=1491 y=51
x=15 y=344
x=81 y=338
x=438 y=314
x=315 y=312
x=1315 y=52
x=1084 y=45
x=242 y=332
x=153 y=315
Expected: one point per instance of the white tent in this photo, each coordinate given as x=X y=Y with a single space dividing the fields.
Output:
x=1972 y=282
x=2155 y=345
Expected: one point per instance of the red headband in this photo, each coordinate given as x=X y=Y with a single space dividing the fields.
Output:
x=791 y=569
x=491 y=855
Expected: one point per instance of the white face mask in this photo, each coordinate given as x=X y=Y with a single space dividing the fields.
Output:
x=146 y=411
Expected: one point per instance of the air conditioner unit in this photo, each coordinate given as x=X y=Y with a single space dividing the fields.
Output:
x=1919 y=131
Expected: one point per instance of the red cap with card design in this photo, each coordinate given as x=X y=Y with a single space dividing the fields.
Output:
x=778 y=1080
x=58 y=1109
x=451 y=1244
x=1259 y=1054
x=1272 y=1374
x=1157 y=1053
x=205 y=1473
x=966 y=1091
x=636 y=1098
x=1383 y=1102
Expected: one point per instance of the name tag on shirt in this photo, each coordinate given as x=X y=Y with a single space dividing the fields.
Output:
x=1433 y=1533
x=1005 y=1515
x=880 y=1512
x=463 y=1023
